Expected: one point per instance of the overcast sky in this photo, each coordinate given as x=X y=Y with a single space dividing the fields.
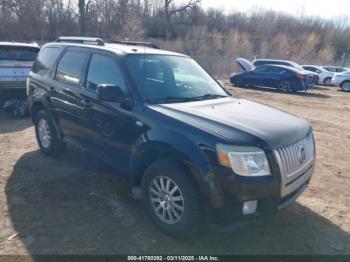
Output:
x=323 y=8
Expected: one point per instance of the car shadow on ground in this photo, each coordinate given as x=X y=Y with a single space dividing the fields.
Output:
x=9 y=124
x=301 y=93
x=76 y=205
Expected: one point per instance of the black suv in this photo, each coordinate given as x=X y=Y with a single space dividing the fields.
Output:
x=193 y=152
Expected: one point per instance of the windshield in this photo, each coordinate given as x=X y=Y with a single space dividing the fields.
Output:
x=170 y=79
x=18 y=53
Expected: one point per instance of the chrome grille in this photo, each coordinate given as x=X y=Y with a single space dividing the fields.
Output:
x=296 y=164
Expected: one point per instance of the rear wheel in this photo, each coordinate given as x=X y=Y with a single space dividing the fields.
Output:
x=171 y=198
x=47 y=136
x=284 y=86
x=345 y=86
x=327 y=81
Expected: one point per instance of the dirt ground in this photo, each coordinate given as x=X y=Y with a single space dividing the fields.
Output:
x=76 y=205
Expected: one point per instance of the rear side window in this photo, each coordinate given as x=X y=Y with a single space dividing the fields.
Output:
x=273 y=69
x=70 y=67
x=45 y=64
x=103 y=70
x=18 y=53
x=262 y=69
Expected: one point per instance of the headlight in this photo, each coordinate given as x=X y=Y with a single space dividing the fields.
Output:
x=244 y=161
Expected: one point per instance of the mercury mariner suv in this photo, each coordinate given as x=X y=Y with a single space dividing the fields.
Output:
x=193 y=153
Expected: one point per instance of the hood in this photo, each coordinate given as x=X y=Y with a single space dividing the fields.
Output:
x=227 y=116
x=245 y=64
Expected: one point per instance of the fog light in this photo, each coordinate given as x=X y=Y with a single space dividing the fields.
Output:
x=249 y=207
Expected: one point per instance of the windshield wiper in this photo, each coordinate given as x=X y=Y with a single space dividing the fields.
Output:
x=175 y=99
x=209 y=96
x=171 y=99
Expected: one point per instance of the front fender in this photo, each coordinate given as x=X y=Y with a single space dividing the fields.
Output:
x=157 y=143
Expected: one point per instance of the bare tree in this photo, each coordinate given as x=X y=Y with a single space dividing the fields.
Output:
x=170 y=8
x=83 y=12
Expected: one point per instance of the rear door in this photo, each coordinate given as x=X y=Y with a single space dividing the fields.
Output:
x=275 y=75
x=65 y=91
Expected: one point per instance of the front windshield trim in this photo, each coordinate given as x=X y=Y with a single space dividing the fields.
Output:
x=223 y=93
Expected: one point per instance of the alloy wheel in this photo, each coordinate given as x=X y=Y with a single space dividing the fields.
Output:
x=166 y=199
x=44 y=133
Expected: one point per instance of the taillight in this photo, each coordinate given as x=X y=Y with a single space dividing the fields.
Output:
x=302 y=77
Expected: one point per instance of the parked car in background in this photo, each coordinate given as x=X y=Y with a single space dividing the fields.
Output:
x=335 y=69
x=192 y=152
x=284 y=78
x=342 y=80
x=16 y=60
x=325 y=76
x=258 y=62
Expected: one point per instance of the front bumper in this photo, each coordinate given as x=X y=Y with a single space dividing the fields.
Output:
x=228 y=192
x=236 y=190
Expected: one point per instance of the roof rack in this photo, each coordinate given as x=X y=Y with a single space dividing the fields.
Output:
x=81 y=40
x=135 y=43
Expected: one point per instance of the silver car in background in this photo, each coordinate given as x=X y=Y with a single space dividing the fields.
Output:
x=342 y=80
x=16 y=60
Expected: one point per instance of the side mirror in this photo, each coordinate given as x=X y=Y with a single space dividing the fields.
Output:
x=110 y=93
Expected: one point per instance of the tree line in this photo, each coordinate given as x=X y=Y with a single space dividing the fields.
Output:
x=212 y=36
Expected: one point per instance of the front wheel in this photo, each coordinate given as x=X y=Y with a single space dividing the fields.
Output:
x=328 y=81
x=47 y=136
x=171 y=198
x=238 y=82
x=345 y=86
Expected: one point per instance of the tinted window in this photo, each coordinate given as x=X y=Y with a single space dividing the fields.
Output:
x=309 y=68
x=45 y=63
x=277 y=69
x=261 y=69
x=18 y=53
x=70 y=67
x=258 y=63
x=103 y=70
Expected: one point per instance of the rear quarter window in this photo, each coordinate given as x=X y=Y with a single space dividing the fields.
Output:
x=45 y=63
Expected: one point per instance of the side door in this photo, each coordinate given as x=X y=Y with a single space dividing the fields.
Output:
x=275 y=75
x=109 y=127
x=258 y=76
x=64 y=91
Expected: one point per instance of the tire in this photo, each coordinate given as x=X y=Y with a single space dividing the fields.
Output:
x=190 y=218
x=327 y=81
x=345 y=86
x=284 y=86
x=46 y=135
x=238 y=82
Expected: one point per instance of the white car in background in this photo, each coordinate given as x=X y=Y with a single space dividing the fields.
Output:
x=16 y=60
x=325 y=76
x=335 y=69
x=342 y=80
